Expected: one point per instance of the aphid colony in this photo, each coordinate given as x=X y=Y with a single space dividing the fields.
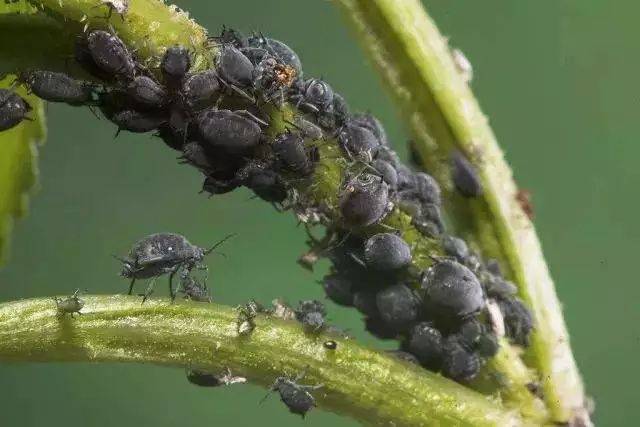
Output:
x=447 y=317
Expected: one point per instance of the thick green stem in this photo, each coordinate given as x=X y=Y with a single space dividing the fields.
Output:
x=443 y=115
x=369 y=386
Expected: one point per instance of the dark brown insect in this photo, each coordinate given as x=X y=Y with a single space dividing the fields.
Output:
x=523 y=197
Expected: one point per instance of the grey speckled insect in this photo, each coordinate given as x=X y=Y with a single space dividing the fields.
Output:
x=425 y=342
x=386 y=252
x=283 y=53
x=110 y=54
x=458 y=363
x=295 y=396
x=147 y=92
x=359 y=142
x=58 y=87
x=398 y=306
x=162 y=253
x=246 y=315
x=313 y=95
x=291 y=154
x=201 y=90
x=194 y=290
x=175 y=64
x=235 y=69
x=137 y=121
x=229 y=130
x=464 y=176
x=311 y=314
x=13 y=109
x=364 y=200
x=69 y=305
x=207 y=379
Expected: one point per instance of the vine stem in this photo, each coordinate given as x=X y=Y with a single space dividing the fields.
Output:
x=369 y=386
x=416 y=61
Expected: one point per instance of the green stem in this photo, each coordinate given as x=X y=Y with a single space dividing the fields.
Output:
x=443 y=115
x=366 y=385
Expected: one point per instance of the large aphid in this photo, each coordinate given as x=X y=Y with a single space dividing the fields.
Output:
x=228 y=130
x=58 y=87
x=364 y=200
x=110 y=54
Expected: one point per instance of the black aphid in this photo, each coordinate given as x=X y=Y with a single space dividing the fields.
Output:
x=147 y=92
x=295 y=396
x=496 y=286
x=69 y=305
x=175 y=64
x=162 y=253
x=518 y=321
x=234 y=67
x=387 y=172
x=372 y=123
x=386 y=251
x=283 y=53
x=229 y=130
x=207 y=379
x=455 y=247
x=291 y=154
x=137 y=121
x=13 y=109
x=195 y=154
x=451 y=290
x=364 y=200
x=330 y=345
x=358 y=142
x=398 y=306
x=213 y=185
x=425 y=342
x=272 y=79
x=246 y=314
x=339 y=289
x=458 y=363
x=313 y=95
x=264 y=181
x=201 y=90
x=110 y=54
x=194 y=290
x=311 y=314
x=464 y=176
x=427 y=188
x=58 y=87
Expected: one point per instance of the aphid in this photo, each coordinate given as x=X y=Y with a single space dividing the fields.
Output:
x=194 y=290
x=458 y=363
x=330 y=345
x=201 y=90
x=308 y=129
x=518 y=321
x=58 y=87
x=119 y=6
x=358 y=142
x=455 y=247
x=70 y=305
x=213 y=186
x=175 y=64
x=137 y=121
x=339 y=289
x=272 y=78
x=283 y=53
x=264 y=181
x=451 y=290
x=398 y=306
x=496 y=286
x=340 y=109
x=194 y=154
x=147 y=92
x=388 y=173
x=291 y=154
x=425 y=343
x=311 y=314
x=207 y=379
x=234 y=67
x=427 y=188
x=364 y=200
x=110 y=54
x=464 y=176
x=229 y=130
x=162 y=253
x=523 y=197
x=372 y=123
x=431 y=212
x=13 y=109
x=282 y=310
x=295 y=396
x=386 y=252
x=313 y=95
x=426 y=228
x=246 y=315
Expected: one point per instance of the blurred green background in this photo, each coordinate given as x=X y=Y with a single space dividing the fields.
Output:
x=559 y=83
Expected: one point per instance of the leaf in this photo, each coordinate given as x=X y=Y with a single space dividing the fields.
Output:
x=18 y=165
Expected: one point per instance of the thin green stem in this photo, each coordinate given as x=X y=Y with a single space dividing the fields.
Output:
x=443 y=115
x=364 y=384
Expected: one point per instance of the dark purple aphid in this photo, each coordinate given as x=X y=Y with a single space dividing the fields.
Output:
x=137 y=121
x=425 y=342
x=58 y=87
x=70 y=305
x=13 y=109
x=207 y=379
x=496 y=286
x=364 y=200
x=147 y=92
x=313 y=95
x=455 y=247
x=371 y=122
x=458 y=363
x=295 y=396
x=213 y=185
x=110 y=54
x=264 y=181
x=340 y=109
x=451 y=290
x=358 y=142
x=388 y=173
x=272 y=79
x=311 y=314
x=291 y=154
x=228 y=130
x=175 y=64
x=201 y=90
x=464 y=175
x=194 y=154
x=339 y=289
x=193 y=290
x=398 y=306
x=234 y=67
x=386 y=252
x=427 y=188
x=518 y=321
x=283 y=53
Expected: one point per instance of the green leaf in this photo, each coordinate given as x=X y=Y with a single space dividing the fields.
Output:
x=18 y=164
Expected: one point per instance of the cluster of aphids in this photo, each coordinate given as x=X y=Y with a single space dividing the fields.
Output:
x=216 y=118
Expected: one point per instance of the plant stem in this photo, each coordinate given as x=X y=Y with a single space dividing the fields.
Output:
x=120 y=329
x=443 y=115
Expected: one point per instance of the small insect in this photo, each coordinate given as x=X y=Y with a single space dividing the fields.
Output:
x=311 y=313
x=272 y=79
x=386 y=252
x=295 y=396
x=523 y=197
x=193 y=290
x=398 y=306
x=264 y=181
x=339 y=289
x=455 y=247
x=69 y=305
x=464 y=176
x=175 y=64
x=451 y=290
x=163 y=253
x=313 y=95
x=213 y=185
x=246 y=314
x=147 y=92
x=387 y=172
x=340 y=109
x=137 y=121
x=201 y=90
x=291 y=154
x=58 y=87
x=364 y=200
x=235 y=69
x=194 y=154
x=518 y=321
x=207 y=379
x=372 y=123
x=110 y=54
x=121 y=7
x=229 y=130
x=13 y=109
x=281 y=310
x=358 y=142
x=458 y=363
x=330 y=345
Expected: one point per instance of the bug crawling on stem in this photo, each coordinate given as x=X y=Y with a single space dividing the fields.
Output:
x=69 y=305
x=295 y=396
